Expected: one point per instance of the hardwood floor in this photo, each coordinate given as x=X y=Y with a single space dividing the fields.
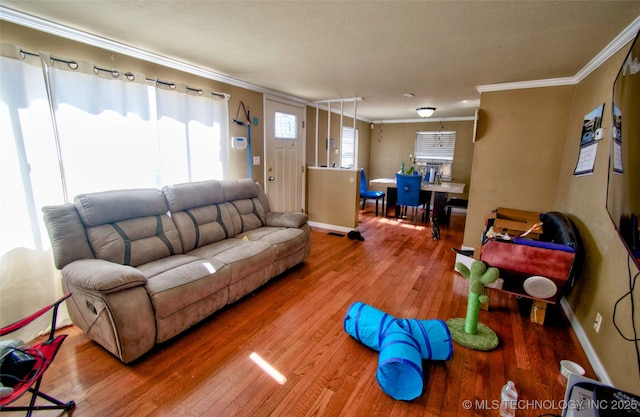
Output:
x=295 y=324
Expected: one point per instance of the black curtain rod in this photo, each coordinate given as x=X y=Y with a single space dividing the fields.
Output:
x=199 y=91
x=130 y=76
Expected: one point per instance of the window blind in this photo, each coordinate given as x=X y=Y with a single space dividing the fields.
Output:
x=348 y=147
x=435 y=146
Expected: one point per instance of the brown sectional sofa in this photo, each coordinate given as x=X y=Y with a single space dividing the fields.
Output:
x=146 y=264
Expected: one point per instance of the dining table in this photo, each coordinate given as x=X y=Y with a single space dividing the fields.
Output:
x=439 y=190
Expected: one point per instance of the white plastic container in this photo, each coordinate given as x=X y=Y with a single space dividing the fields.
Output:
x=432 y=175
x=508 y=400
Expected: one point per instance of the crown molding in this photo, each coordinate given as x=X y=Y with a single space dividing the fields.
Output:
x=551 y=82
x=614 y=46
x=627 y=35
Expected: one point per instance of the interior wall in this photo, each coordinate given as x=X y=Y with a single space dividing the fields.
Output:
x=525 y=154
x=518 y=153
x=364 y=137
x=35 y=41
x=332 y=200
x=392 y=143
x=604 y=278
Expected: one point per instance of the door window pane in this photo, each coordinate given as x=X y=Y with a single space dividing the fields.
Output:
x=286 y=126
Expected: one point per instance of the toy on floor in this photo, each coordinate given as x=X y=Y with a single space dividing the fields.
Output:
x=468 y=332
x=403 y=345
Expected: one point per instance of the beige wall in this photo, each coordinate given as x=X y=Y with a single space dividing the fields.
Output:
x=518 y=152
x=333 y=197
x=605 y=277
x=392 y=143
x=524 y=158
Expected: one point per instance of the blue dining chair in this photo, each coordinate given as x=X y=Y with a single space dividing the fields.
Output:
x=365 y=194
x=409 y=192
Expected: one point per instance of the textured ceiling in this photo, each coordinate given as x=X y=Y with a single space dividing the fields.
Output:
x=438 y=51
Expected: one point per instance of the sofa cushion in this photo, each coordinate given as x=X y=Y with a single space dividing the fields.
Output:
x=111 y=206
x=243 y=257
x=177 y=281
x=247 y=214
x=135 y=241
x=203 y=225
x=193 y=194
x=239 y=189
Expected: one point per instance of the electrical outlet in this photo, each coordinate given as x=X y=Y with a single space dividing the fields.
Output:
x=597 y=322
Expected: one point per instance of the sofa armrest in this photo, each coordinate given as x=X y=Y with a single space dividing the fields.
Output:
x=103 y=276
x=286 y=219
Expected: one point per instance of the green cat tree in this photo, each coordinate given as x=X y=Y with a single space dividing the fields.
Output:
x=467 y=331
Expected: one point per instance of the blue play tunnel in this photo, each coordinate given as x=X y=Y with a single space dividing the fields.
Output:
x=402 y=343
x=399 y=371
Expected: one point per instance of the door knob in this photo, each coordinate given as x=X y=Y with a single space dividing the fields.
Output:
x=271 y=178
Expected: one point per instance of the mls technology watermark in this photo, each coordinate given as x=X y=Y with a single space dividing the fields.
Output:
x=580 y=404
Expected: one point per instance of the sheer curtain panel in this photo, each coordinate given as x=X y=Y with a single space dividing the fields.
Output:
x=107 y=139
x=69 y=127
x=193 y=133
x=29 y=179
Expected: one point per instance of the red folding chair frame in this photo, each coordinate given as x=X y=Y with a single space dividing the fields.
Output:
x=44 y=353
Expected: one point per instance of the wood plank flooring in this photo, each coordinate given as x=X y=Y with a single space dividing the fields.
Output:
x=295 y=324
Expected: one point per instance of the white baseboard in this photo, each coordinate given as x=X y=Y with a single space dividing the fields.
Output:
x=594 y=360
x=330 y=227
x=458 y=210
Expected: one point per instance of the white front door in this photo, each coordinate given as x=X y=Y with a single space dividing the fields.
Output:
x=284 y=154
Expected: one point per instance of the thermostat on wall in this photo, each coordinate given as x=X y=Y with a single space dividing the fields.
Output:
x=239 y=142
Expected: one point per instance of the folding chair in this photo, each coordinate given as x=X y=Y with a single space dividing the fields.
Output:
x=43 y=354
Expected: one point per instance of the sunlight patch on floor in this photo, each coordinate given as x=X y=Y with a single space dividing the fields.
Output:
x=403 y=223
x=270 y=370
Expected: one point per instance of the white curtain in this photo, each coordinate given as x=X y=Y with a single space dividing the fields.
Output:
x=107 y=139
x=68 y=127
x=29 y=179
x=193 y=133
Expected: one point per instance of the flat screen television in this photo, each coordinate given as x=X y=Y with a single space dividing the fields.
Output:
x=623 y=190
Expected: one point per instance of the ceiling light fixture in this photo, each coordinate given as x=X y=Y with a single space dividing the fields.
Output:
x=425 y=111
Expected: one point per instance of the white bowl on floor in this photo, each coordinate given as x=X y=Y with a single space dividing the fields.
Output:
x=569 y=367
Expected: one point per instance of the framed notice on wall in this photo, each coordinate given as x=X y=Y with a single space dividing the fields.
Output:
x=588 y=143
x=616 y=134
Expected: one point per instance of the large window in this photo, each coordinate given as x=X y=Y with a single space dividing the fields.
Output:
x=82 y=129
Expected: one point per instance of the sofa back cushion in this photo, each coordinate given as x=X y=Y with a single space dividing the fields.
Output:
x=129 y=227
x=249 y=212
x=209 y=211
